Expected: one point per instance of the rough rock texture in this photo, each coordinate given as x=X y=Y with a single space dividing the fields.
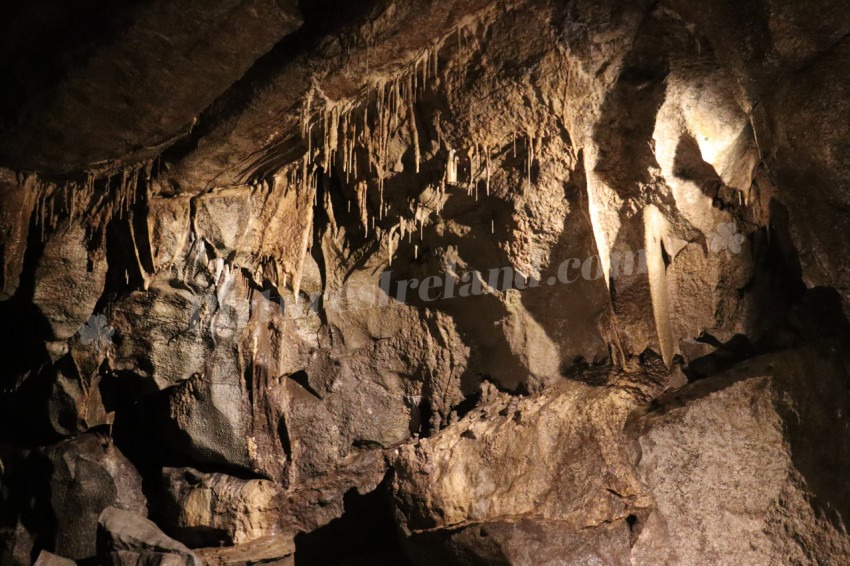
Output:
x=217 y=508
x=49 y=559
x=132 y=66
x=528 y=281
x=748 y=467
x=86 y=475
x=273 y=550
x=125 y=539
x=529 y=480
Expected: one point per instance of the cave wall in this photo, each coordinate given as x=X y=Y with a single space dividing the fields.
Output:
x=225 y=283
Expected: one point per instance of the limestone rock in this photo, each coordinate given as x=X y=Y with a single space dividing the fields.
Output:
x=554 y=457
x=526 y=262
x=83 y=476
x=524 y=542
x=272 y=550
x=746 y=467
x=208 y=509
x=69 y=281
x=527 y=480
x=49 y=559
x=16 y=203
x=126 y=539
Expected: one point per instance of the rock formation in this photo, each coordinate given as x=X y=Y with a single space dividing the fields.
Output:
x=478 y=282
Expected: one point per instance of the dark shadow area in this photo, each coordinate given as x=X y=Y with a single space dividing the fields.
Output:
x=25 y=382
x=365 y=535
x=734 y=351
x=26 y=500
x=32 y=29
x=133 y=429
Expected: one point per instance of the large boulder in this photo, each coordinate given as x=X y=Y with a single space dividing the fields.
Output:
x=528 y=480
x=750 y=466
x=210 y=509
x=86 y=475
x=128 y=539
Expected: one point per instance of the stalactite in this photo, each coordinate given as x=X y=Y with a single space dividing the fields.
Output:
x=487 y=149
x=414 y=133
x=142 y=272
x=361 y=190
x=306 y=239
x=451 y=168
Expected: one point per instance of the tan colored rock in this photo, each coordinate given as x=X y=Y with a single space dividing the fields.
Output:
x=272 y=550
x=558 y=456
x=49 y=559
x=747 y=467
x=69 y=279
x=208 y=508
x=524 y=542
x=168 y=228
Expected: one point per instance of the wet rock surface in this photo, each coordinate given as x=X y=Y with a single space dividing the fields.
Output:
x=483 y=282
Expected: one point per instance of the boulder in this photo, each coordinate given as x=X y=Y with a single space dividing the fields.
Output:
x=87 y=474
x=210 y=509
x=128 y=539
x=553 y=457
x=528 y=480
x=49 y=559
x=749 y=466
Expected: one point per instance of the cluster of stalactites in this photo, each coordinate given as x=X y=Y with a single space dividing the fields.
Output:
x=99 y=199
x=95 y=200
x=339 y=133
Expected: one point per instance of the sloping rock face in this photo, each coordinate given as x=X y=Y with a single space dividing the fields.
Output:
x=746 y=467
x=59 y=491
x=462 y=282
